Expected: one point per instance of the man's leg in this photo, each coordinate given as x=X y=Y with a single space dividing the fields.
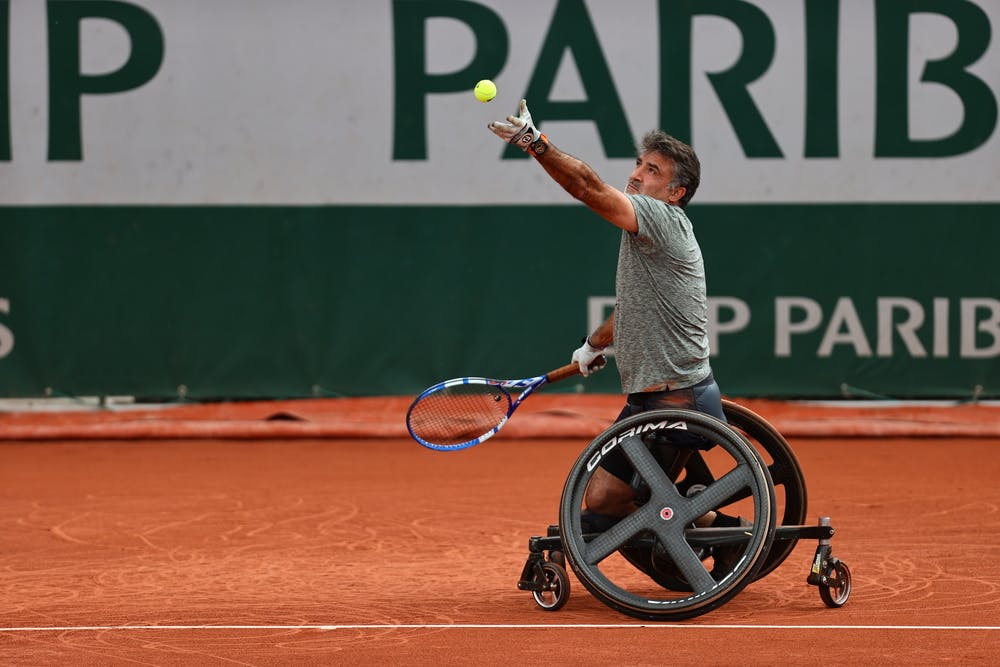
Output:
x=608 y=495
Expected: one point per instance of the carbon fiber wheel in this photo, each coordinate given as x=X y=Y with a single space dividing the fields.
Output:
x=714 y=563
x=786 y=476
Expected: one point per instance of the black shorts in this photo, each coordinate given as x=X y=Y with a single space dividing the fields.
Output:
x=702 y=397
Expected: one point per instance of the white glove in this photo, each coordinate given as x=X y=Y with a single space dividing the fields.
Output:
x=517 y=130
x=586 y=356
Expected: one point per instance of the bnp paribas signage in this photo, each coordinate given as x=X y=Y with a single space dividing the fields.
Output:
x=820 y=37
x=253 y=101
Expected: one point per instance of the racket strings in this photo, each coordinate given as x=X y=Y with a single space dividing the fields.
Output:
x=458 y=414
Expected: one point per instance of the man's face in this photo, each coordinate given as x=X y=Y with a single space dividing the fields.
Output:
x=652 y=176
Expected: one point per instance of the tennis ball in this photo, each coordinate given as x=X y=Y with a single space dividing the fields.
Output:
x=485 y=90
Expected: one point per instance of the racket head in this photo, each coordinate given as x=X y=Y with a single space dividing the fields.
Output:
x=456 y=414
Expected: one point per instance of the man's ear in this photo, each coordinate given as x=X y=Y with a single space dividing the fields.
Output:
x=677 y=194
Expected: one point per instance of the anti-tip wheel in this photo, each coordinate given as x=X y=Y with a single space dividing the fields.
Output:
x=555 y=591
x=836 y=592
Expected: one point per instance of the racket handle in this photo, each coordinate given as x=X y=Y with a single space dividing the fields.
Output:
x=569 y=370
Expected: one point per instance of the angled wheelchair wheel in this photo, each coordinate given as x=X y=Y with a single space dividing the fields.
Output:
x=786 y=476
x=713 y=564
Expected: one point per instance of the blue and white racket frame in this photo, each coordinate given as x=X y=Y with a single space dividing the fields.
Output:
x=526 y=386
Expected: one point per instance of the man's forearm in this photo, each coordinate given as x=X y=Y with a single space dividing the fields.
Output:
x=574 y=175
x=603 y=335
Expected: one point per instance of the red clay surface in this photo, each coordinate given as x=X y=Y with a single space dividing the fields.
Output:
x=378 y=551
x=549 y=415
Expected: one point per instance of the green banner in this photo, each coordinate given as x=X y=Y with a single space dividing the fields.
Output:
x=262 y=302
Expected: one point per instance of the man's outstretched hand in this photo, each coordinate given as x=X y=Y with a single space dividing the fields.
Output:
x=517 y=130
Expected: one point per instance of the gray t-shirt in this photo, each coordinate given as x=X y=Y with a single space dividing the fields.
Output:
x=661 y=314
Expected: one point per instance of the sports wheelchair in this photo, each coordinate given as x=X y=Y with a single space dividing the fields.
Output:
x=656 y=563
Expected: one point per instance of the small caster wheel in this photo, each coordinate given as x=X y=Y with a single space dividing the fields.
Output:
x=555 y=588
x=837 y=587
x=558 y=557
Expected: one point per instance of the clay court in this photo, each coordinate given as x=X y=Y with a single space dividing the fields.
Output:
x=208 y=209
x=124 y=545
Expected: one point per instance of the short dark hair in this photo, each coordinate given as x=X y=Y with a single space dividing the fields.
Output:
x=687 y=168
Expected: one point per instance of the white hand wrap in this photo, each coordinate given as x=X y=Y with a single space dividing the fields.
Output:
x=517 y=130
x=585 y=355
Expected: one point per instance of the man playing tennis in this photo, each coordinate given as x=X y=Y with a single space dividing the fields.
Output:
x=659 y=324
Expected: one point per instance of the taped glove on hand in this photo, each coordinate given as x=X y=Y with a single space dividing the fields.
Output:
x=589 y=358
x=517 y=130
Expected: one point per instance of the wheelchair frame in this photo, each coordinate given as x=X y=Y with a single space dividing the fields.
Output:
x=663 y=534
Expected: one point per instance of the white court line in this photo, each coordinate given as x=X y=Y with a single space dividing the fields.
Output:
x=497 y=626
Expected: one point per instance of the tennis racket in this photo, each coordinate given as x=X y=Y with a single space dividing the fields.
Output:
x=463 y=412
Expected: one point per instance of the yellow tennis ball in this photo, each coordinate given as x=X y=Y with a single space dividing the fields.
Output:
x=485 y=90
